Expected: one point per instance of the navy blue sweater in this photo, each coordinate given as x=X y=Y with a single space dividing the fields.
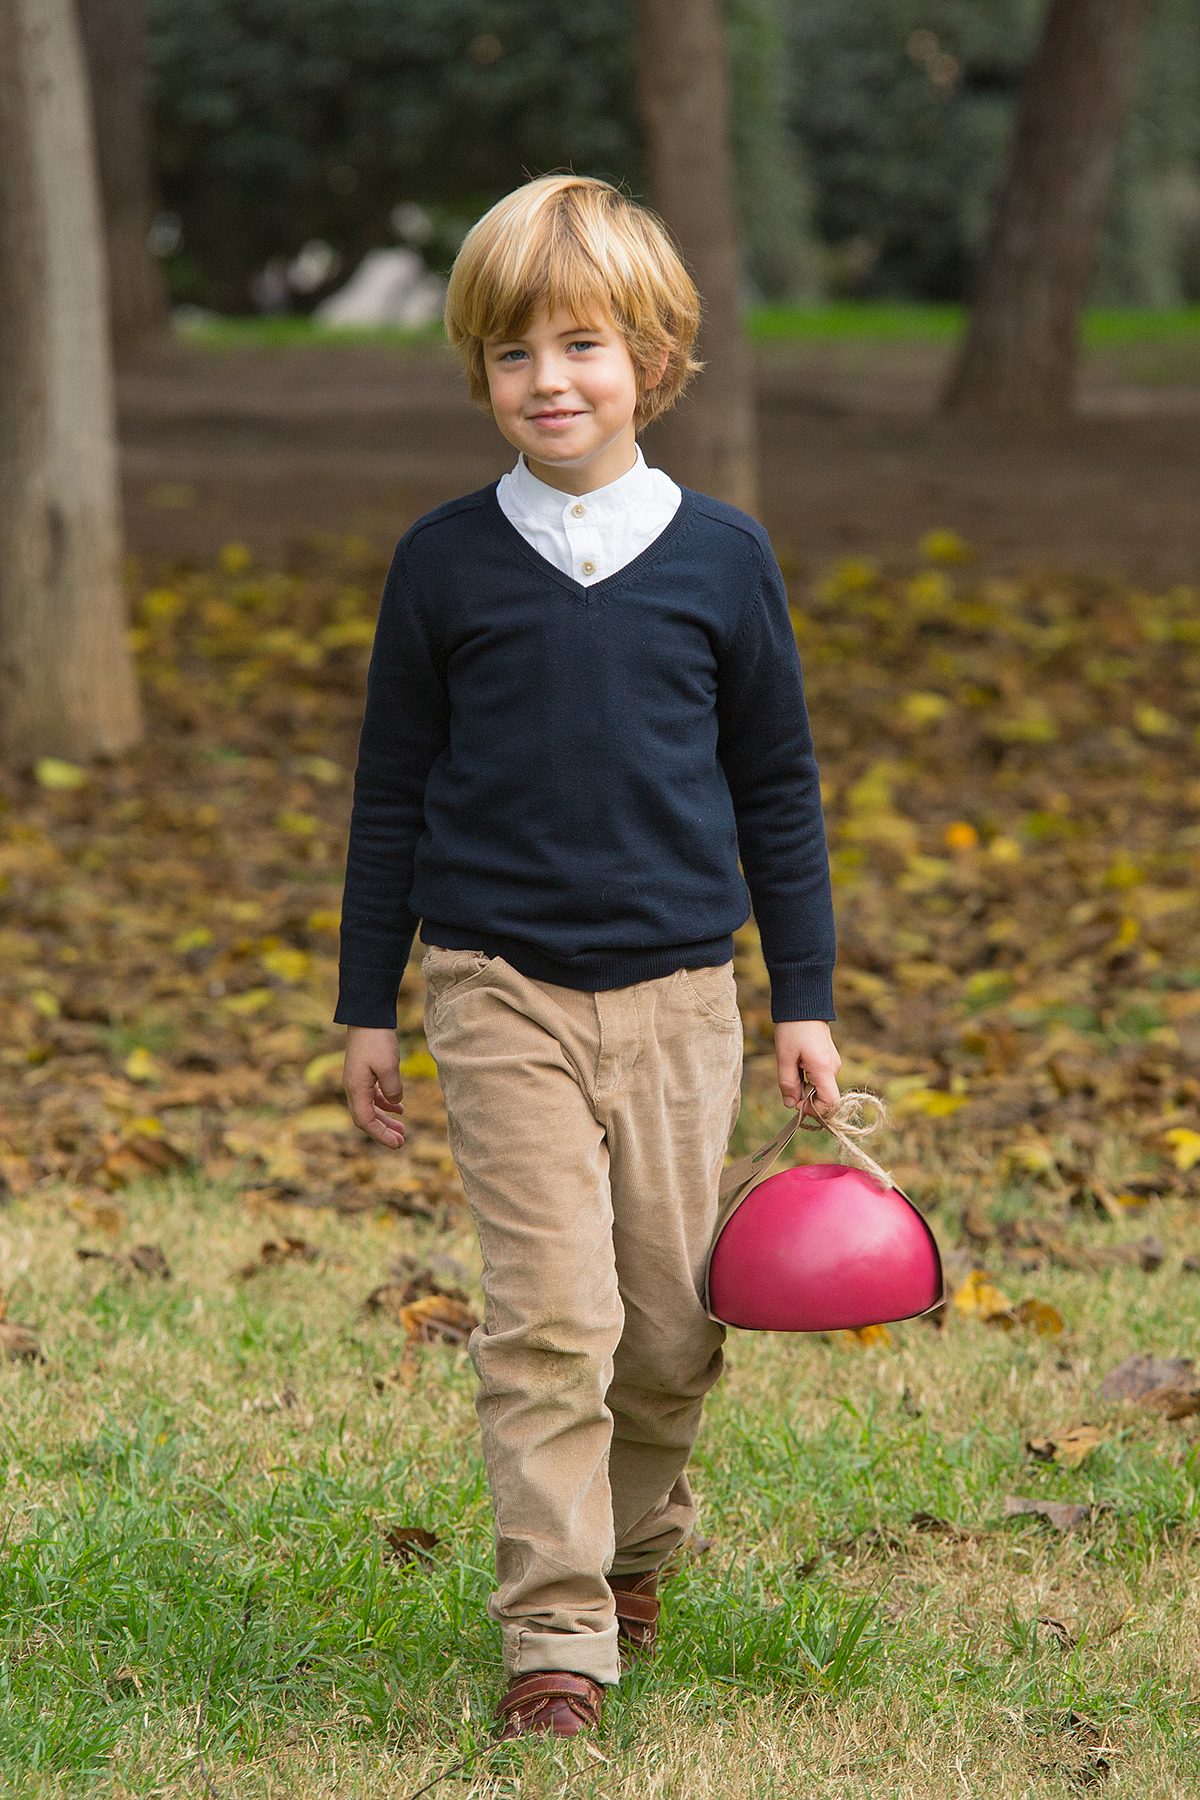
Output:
x=565 y=776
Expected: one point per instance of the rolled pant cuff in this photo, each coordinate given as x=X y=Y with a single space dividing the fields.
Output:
x=593 y=1653
x=636 y=1565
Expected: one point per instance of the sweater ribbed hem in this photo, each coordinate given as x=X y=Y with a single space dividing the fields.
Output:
x=801 y=993
x=595 y=974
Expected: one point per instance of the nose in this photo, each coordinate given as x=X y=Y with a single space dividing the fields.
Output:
x=549 y=375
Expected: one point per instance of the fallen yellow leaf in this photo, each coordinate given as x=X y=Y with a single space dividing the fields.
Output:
x=198 y=938
x=288 y=965
x=1070 y=1446
x=140 y=1065
x=866 y=1335
x=932 y=1102
x=1185 y=1146
x=420 y=1066
x=1046 y=1320
x=252 y=1001
x=51 y=772
x=321 y=1066
x=979 y=1298
x=944 y=546
x=922 y=709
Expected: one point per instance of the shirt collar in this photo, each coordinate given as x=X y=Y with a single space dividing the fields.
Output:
x=541 y=501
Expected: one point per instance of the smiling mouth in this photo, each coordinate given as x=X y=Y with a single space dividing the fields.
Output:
x=557 y=417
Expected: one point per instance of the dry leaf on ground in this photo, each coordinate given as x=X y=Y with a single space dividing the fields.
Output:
x=392 y=1297
x=438 y=1319
x=935 y=1527
x=1046 y=1320
x=1058 y=1631
x=410 y=1543
x=1070 y=1446
x=147 y=1259
x=20 y=1342
x=1080 y=1753
x=101 y=1214
x=276 y=1251
x=979 y=1297
x=1173 y=1403
x=1062 y=1514
x=976 y=1224
x=866 y=1335
x=1162 y=1384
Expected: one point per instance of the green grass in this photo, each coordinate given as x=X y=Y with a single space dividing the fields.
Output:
x=843 y=321
x=195 y=1491
x=287 y=331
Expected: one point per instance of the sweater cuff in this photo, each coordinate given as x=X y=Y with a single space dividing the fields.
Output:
x=368 y=997
x=799 y=991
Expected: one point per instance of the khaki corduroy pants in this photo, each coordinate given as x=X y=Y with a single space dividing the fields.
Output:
x=590 y=1132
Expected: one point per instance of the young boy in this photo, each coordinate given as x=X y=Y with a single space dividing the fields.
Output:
x=584 y=704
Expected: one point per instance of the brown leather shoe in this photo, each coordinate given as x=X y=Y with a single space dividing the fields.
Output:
x=637 y=1614
x=562 y=1704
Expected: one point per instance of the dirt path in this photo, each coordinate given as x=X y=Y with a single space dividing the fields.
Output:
x=270 y=447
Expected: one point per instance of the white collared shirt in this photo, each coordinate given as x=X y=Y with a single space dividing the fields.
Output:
x=590 y=536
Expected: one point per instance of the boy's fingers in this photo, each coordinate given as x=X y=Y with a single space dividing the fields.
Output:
x=390 y=1125
x=391 y=1086
x=827 y=1088
x=366 y=1101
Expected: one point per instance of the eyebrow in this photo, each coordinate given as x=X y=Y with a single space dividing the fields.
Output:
x=572 y=331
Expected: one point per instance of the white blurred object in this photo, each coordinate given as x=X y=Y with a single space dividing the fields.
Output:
x=317 y=263
x=389 y=287
x=411 y=223
x=269 y=288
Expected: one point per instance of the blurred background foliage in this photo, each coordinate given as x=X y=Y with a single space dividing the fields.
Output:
x=869 y=138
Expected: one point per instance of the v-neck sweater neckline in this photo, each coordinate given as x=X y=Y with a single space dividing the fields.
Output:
x=596 y=590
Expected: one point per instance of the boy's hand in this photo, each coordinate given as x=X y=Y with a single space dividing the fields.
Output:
x=373 y=1086
x=804 y=1048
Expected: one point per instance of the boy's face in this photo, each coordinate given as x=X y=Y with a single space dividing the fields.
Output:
x=564 y=392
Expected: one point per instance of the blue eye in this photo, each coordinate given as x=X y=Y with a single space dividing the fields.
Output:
x=584 y=344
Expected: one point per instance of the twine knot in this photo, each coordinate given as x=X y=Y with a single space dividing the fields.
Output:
x=847 y=1121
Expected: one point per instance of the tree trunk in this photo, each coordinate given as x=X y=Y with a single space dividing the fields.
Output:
x=709 y=440
x=67 y=684
x=114 y=41
x=1020 y=350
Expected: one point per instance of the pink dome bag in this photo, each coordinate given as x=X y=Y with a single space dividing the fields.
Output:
x=820 y=1247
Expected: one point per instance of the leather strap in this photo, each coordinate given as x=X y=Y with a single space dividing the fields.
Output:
x=529 y=1693
x=642 y=1608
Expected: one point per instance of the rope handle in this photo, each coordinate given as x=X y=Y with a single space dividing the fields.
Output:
x=845 y=1122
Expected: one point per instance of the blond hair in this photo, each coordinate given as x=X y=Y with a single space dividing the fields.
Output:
x=571 y=242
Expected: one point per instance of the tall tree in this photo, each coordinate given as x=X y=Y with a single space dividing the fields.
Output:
x=114 y=46
x=1020 y=352
x=709 y=441
x=67 y=684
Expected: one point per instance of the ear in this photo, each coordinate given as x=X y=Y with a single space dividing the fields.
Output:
x=654 y=375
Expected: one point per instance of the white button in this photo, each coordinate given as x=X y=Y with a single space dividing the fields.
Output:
x=577 y=512
x=589 y=568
